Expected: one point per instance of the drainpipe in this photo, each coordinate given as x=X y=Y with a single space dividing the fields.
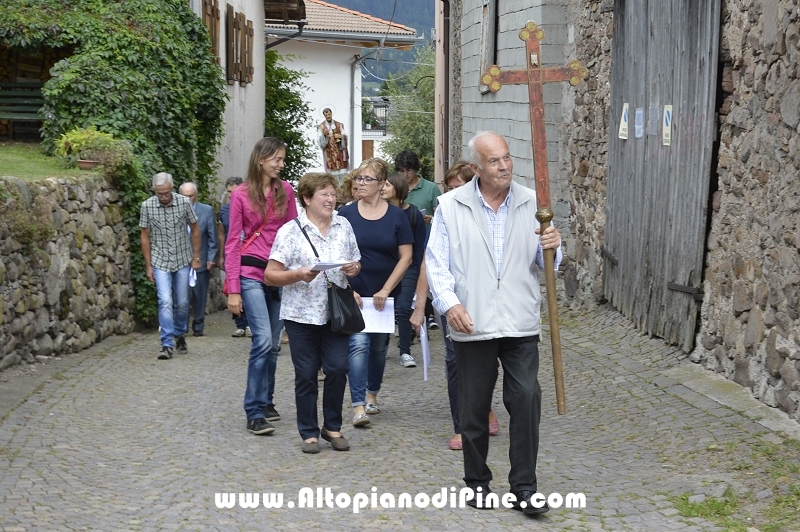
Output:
x=300 y=26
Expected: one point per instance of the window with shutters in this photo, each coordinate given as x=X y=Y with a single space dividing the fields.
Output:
x=211 y=21
x=239 y=34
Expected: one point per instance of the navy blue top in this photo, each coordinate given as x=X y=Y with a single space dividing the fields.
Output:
x=420 y=233
x=378 y=242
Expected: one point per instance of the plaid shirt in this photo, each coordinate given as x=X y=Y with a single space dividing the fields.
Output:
x=170 y=242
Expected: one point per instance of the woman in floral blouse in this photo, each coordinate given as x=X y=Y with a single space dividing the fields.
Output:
x=304 y=307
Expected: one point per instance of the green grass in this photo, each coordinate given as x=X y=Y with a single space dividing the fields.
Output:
x=716 y=510
x=784 y=511
x=25 y=161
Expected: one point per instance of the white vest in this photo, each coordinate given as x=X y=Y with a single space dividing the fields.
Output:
x=504 y=307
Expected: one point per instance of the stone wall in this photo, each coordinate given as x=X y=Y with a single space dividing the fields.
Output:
x=588 y=151
x=750 y=331
x=75 y=290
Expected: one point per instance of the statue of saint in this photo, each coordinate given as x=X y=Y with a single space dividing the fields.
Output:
x=333 y=141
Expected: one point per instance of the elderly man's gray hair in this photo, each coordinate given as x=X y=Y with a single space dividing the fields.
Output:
x=162 y=178
x=188 y=184
x=473 y=156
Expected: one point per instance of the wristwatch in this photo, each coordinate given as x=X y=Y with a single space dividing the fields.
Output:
x=196 y=259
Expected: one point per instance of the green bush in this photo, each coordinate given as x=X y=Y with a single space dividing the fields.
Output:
x=142 y=72
x=288 y=116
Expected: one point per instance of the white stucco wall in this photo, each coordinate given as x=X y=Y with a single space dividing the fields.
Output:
x=331 y=82
x=244 y=113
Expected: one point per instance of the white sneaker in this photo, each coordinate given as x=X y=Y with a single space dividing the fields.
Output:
x=407 y=361
x=248 y=332
x=240 y=333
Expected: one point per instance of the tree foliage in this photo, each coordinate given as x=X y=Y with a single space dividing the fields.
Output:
x=142 y=71
x=288 y=115
x=411 y=113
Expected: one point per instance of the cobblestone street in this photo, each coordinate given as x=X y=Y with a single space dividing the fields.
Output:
x=117 y=440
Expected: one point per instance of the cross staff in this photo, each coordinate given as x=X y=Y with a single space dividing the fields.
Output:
x=535 y=77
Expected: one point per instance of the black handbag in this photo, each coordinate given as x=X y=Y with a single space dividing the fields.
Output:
x=346 y=315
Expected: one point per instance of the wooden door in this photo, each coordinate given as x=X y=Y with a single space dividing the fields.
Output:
x=665 y=52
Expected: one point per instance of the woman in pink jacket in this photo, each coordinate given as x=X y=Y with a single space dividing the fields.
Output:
x=259 y=207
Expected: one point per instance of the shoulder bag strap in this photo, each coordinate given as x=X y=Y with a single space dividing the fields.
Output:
x=256 y=234
x=297 y=221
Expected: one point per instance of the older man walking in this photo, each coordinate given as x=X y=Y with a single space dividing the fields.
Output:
x=483 y=259
x=208 y=254
x=169 y=253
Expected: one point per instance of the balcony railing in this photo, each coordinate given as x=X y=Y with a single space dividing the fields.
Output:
x=374 y=116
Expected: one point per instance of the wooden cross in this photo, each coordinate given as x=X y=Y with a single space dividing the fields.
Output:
x=535 y=77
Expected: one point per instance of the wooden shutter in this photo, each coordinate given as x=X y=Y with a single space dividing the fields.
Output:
x=241 y=28
x=250 y=35
x=230 y=45
x=211 y=21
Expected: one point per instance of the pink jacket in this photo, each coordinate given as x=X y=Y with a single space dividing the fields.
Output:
x=244 y=217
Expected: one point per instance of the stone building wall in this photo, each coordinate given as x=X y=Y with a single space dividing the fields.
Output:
x=750 y=330
x=592 y=31
x=73 y=291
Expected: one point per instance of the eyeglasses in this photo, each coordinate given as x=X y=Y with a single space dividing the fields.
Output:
x=164 y=194
x=365 y=180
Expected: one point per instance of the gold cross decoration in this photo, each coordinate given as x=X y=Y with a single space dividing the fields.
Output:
x=535 y=76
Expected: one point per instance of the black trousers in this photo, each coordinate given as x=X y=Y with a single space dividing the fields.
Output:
x=477 y=375
x=315 y=346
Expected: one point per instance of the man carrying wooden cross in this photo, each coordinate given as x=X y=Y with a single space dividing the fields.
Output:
x=483 y=257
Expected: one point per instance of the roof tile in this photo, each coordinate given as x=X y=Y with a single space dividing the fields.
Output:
x=323 y=16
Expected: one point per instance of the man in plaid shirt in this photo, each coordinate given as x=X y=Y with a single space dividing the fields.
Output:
x=169 y=255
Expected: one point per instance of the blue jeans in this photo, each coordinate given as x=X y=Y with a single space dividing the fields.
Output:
x=402 y=307
x=263 y=307
x=173 y=314
x=199 y=298
x=313 y=346
x=367 y=361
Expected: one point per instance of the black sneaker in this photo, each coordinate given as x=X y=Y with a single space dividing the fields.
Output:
x=260 y=426
x=180 y=344
x=432 y=323
x=166 y=353
x=523 y=503
x=270 y=413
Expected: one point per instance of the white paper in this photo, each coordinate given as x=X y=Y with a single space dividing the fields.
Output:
x=322 y=266
x=623 y=123
x=639 y=123
x=192 y=277
x=378 y=321
x=426 y=352
x=666 y=137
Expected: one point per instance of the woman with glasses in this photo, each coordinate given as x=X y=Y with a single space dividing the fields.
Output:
x=259 y=207
x=395 y=191
x=305 y=308
x=384 y=239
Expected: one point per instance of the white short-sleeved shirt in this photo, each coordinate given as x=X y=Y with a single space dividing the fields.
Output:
x=308 y=302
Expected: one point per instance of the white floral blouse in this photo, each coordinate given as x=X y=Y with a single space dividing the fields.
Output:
x=308 y=302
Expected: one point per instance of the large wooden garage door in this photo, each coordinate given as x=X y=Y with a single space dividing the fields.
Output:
x=665 y=53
